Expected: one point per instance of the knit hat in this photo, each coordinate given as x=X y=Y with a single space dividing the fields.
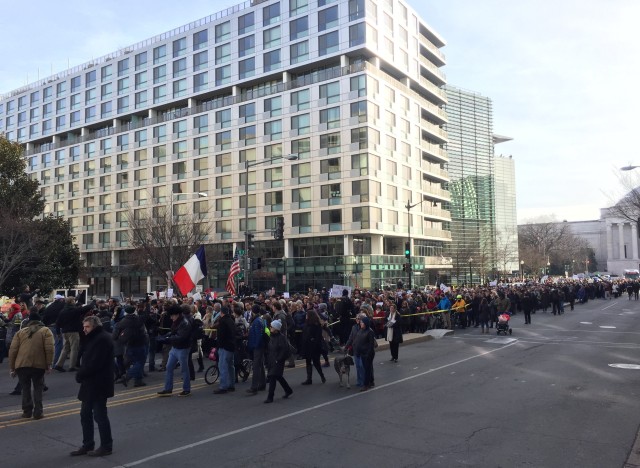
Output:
x=34 y=316
x=276 y=325
x=129 y=309
x=322 y=306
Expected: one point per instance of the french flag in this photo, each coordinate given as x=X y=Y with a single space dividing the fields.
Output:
x=191 y=272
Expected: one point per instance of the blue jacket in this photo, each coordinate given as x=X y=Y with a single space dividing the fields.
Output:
x=256 y=330
x=444 y=304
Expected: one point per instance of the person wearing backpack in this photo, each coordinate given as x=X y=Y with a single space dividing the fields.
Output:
x=131 y=333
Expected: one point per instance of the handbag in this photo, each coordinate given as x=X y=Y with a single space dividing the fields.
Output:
x=213 y=354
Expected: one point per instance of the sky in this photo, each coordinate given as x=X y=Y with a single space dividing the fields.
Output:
x=562 y=74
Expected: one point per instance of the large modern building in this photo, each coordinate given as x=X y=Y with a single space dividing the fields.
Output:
x=326 y=113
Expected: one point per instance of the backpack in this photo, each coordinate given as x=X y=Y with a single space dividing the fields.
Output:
x=133 y=334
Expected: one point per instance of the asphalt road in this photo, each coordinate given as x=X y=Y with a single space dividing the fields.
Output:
x=545 y=397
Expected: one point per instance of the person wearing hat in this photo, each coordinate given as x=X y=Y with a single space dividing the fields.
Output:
x=278 y=353
x=180 y=339
x=30 y=355
x=459 y=308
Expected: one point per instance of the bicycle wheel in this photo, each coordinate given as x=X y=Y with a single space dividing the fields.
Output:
x=245 y=369
x=211 y=374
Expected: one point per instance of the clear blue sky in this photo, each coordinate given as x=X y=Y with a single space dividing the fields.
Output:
x=562 y=74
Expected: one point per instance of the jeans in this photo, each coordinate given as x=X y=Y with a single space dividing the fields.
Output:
x=227 y=369
x=175 y=356
x=57 y=344
x=95 y=410
x=136 y=356
x=27 y=375
x=359 y=371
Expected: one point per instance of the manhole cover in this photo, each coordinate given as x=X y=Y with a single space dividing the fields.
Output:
x=626 y=366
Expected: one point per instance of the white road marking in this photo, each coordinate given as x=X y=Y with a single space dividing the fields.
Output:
x=606 y=326
x=609 y=306
x=586 y=323
x=626 y=366
x=302 y=411
x=501 y=340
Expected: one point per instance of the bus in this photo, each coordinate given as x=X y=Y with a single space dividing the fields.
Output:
x=631 y=274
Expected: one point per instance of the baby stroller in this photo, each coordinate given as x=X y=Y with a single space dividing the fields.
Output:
x=503 y=324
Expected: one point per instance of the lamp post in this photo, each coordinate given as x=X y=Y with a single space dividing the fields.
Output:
x=548 y=265
x=408 y=206
x=247 y=166
x=522 y=269
x=470 y=273
x=586 y=266
x=628 y=168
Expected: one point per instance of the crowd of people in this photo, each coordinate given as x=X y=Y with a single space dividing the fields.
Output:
x=127 y=339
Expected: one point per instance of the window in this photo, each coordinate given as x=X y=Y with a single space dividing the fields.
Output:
x=302 y=221
x=300 y=99
x=180 y=149
x=330 y=93
x=105 y=109
x=200 y=60
x=141 y=99
x=328 y=43
x=141 y=79
x=300 y=124
x=224 y=184
x=223 y=31
x=301 y=172
x=201 y=123
x=22 y=102
x=47 y=94
x=201 y=145
x=90 y=114
x=123 y=85
x=331 y=192
x=274 y=200
x=159 y=53
x=356 y=9
x=200 y=40
x=106 y=72
x=273 y=151
x=273 y=106
x=159 y=174
x=140 y=137
x=359 y=111
x=200 y=81
x=223 y=118
x=247 y=135
x=75 y=117
x=61 y=89
x=122 y=142
x=359 y=137
x=273 y=130
x=90 y=79
x=123 y=67
x=246 y=45
x=106 y=90
x=89 y=96
x=179 y=67
x=330 y=143
x=247 y=68
x=302 y=197
x=297 y=6
x=246 y=23
x=47 y=109
x=223 y=139
x=360 y=188
x=271 y=37
x=223 y=53
x=302 y=148
x=330 y=117
x=360 y=162
x=248 y=112
x=223 y=75
x=333 y=218
x=299 y=52
x=179 y=47
x=179 y=88
x=359 y=84
x=159 y=74
x=160 y=134
x=223 y=161
x=224 y=205
x=298 y=28
x=271 y=60
x=271 y=14
x=141 y=60
x=159 y=93
x=180 y=129
x=273 y=176
x=328 y=18
x=61 y=122
x=357 y=34
x=46 y=127
x=330 y=167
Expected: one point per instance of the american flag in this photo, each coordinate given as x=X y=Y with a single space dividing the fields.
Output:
x=235 y=269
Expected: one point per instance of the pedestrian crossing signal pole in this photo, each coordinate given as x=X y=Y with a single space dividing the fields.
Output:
x=407 y=245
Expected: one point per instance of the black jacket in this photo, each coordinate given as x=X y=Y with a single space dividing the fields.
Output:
x=227 y=333
x=52 y=312
x=130 y=331
x=180 y=336
x=70 y=318
x=96 y=373
x=277 y=355
x=311 y=340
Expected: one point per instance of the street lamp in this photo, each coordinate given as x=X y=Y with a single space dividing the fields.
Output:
x=247 y=165
x=470 y=273
x=522 y=269
x=548 y=265
x=628 y=168
x=408 y=206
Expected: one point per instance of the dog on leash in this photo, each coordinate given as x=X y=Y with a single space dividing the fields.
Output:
x=342 y=365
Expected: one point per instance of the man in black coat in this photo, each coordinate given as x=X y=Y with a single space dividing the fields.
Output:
x=95 y=376
x=345 y=312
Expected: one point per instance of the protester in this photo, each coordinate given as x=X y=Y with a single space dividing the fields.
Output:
x=278 y=352
x=180 y=339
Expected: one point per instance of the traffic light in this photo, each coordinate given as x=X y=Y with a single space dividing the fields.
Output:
x=407 y=250
x=279 y=232
x=250 y=244
x=258 y=263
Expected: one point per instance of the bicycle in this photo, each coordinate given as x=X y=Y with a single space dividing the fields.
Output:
x=212 y=373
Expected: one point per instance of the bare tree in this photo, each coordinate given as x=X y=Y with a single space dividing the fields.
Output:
x=165 y=236
x=506 y=250
x=628 y=207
